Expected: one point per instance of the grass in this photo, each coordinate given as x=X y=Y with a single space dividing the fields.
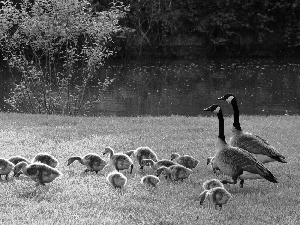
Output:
x=79 y=198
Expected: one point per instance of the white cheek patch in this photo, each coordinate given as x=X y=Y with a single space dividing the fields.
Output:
x=229 y=99
x=217 y=110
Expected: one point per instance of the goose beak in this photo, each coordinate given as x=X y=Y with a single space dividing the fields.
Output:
x=221 y=98
x=207 y=109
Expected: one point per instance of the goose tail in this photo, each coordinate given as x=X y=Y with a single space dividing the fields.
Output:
x=281 y=159
x=265 y=173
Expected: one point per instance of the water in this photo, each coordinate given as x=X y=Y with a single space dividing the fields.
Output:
x=186 y=87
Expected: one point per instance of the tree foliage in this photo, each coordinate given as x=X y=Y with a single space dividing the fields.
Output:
x=223 y=22
x=51 y=42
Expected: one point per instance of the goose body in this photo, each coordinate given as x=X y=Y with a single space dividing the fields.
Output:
x=259 y=147
x=116 y=179
x=185 y=160
x=218 y=196
x=234 y=161
x=5 y=167
x=175 y=172
x=38 y=172
x=142 y=153
x=156 y=165
x=45 y=158
x=92 y=161
x=150 y=180
x=120 y=161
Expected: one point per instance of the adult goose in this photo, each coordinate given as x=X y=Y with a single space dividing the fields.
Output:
x=234 y=161
x=252 y=143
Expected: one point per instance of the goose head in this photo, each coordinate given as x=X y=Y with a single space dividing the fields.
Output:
x=213 y=108
x=18 y=167
x=228 y=98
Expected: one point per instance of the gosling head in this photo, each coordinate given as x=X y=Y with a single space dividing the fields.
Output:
x=212 y=183
x=18 y=167
x=174 y=156
x=108 y=150
x=147 y=162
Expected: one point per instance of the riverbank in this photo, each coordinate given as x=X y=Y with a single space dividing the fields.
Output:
x=79 y=198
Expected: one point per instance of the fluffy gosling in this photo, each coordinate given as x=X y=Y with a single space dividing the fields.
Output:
x=218 y=196
x=120 y=161
x=150 y=180
x=5 y=168
x=92 y=161
x=45 y=158
x=142 y=153
x=175 y=172
x=39 y=172
x=116 y=179
x=15 y=160
x=156 y=165
x=185 y=160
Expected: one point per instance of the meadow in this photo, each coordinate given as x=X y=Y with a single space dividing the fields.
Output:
x=86 y=198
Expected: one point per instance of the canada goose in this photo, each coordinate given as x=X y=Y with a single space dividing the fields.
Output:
x=156 y=165
x=142 y=153
x=175 y=172
x=150 y=180
x=116 y=179
x=120 y=161
x=185 y=160
x=233 y=161
x=5 y=168
x=218 y=196
x=92 y=161
x=15 y=160
x=39 y=172
x=252 y=143
x=45 y=158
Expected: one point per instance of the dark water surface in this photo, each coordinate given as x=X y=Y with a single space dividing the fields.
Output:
x=186 y=87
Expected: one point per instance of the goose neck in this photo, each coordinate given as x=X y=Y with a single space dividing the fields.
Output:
x=236 y=115
x=221 y=126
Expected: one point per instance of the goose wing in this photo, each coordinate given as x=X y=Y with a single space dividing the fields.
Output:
x=257 y=145
x=245 y=161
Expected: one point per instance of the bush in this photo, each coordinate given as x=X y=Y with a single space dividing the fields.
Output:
x=50 y=42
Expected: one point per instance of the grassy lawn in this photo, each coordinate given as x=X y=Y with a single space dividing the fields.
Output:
x=78 y=198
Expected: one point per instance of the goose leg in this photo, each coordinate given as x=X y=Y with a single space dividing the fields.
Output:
x=242 y=183
x=131 y=168
x=234 y=179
